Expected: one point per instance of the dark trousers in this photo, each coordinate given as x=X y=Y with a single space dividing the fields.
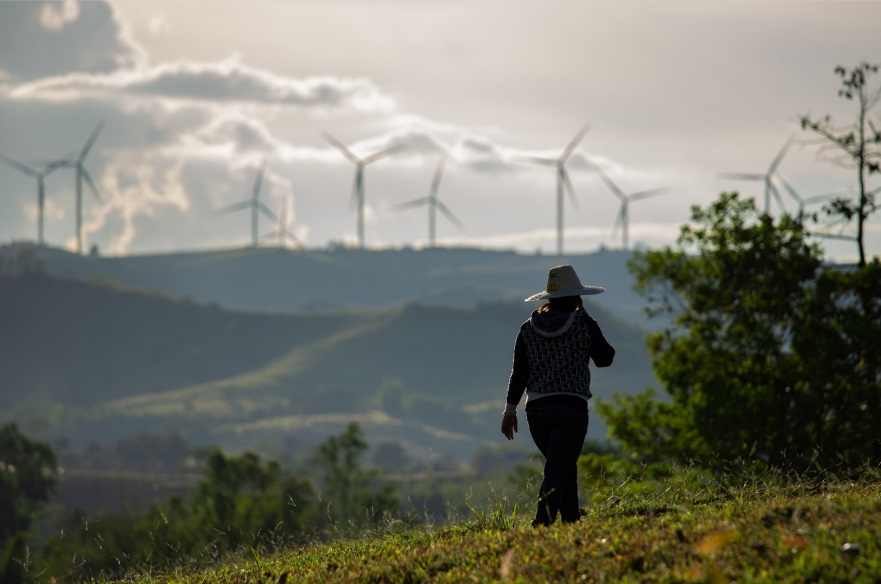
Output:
x=558 y=427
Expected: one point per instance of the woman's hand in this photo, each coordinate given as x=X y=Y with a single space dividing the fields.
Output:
x=509 y=426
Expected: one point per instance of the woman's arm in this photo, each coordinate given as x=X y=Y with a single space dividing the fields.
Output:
x=601 y=351
x=519 y=372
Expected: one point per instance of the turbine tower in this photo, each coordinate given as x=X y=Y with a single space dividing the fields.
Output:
x=770 y=178
x=41 y=191
x=358 y=186
x=433 y=204
x=623 y=218
x=78 y=163
x=563 y=182
x=254 y=204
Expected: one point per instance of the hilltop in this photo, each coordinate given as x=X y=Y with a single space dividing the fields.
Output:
x=754 y=532
x=273 y=279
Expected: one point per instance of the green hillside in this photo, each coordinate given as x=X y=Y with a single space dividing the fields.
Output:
x=97 y=361
x=748 y=533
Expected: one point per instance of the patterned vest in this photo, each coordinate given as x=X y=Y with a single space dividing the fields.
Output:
x=559 y=363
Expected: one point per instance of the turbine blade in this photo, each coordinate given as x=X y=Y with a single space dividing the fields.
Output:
x=567 y=184
x=383 y=153
x=605 y=178
x=536 y=160
x=91 y=141
x=55 y=165
x=776 y=195
x=781 y=154
x=789 y=188
x=342 y=148
x=283 y=216
x=266 y=211
x=646 y=194
x=575 y=141
x=832 y=235
x=826 y=197
x=92 y=186
x=449 y=215
x=435 y=181
x=19 y=166
x=67 y=160
x=234 y=207
x=741 y=176
x=411 y=204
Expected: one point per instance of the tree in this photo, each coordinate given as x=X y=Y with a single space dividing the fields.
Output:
x=348 y=483
x=770 y=354
x=27 y=478
x=857 y=146
x=241 y=498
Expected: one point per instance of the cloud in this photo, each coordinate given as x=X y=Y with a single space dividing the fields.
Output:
x=158 y=25
x=56 y=18
x=60 y=38
x=213 y=83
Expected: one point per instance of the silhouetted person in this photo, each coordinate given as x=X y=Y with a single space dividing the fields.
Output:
x=551 y=364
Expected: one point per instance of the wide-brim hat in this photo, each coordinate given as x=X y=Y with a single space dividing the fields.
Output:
x=563 y=281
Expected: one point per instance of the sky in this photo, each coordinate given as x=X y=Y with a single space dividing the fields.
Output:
x=195 y=96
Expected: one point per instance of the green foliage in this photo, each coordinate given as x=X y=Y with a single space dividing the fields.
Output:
x=12 y=559
x=347 y=484
x=770 y=355
x=239 y=502
x=27 y=478
x=239 y=498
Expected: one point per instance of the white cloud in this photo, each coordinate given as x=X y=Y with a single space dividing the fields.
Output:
x=54 y=17
x=216 y=82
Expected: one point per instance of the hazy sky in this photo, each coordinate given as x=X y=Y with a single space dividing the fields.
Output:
x=195 y=94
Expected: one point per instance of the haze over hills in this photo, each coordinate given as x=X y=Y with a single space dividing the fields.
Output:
x=93 y=360
x=282 y=279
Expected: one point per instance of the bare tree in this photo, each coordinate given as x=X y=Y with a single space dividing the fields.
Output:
x=853 y=146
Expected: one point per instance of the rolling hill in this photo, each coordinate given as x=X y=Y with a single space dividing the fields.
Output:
x=281 y=279
x=96 y=361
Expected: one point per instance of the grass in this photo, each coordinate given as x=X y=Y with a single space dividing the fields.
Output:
x=751 y=532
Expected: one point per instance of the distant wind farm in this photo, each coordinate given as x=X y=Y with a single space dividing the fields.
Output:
x=775 y=185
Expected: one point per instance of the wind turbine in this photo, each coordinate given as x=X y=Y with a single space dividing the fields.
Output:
x=282 y=231
x=358 y=186
x=768 y=178
x=78 y=163
x=623 y=218
x=433 y=204
x=254 y=204
x=563 y=181
x=41 y=191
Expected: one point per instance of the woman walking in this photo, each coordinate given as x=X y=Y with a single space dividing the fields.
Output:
x=551 y=358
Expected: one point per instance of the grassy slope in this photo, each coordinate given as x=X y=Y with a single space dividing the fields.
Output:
x=752 y=533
